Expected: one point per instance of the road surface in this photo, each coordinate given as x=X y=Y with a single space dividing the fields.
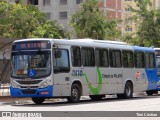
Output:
x=136 y=106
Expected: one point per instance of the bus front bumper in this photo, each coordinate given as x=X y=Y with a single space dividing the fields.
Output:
x=39 y=92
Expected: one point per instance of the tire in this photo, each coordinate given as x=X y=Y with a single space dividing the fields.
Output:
x=128 y=91
x=37 y=100
x=149 y=93
x=75 y=94
x=96 y=97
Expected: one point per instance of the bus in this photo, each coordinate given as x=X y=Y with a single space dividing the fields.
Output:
x=157 y=52
x=58 y=68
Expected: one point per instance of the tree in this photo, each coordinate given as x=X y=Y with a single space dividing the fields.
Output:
x=91 y=22
x=24 y=21
x=148 y=23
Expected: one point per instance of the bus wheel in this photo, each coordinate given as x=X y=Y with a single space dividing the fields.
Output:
x=149 y=92
x=128 y=91
x=75 y=94
x=96 y=97
x=37 y=100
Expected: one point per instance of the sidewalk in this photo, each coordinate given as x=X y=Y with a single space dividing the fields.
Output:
x=4 y=90
x=10 y=99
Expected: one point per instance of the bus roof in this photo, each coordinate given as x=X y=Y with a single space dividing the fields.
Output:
x=139 y=48
x=103 y=41
x=157 y=48
x=92 y=43
x=81 y=40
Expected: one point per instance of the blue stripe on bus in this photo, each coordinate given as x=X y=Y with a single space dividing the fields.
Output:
x=40 y=92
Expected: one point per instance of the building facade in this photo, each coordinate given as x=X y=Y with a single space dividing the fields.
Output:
x=156 y=3
x=56 y=10
x=61 y=10
x=120 y=9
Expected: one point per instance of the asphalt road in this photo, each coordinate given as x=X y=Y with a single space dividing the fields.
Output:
x=141 y=107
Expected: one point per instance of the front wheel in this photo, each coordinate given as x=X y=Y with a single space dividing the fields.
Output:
x=37 y=100
x=75 y=94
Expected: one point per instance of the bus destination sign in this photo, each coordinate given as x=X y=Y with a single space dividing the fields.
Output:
x=31 y=45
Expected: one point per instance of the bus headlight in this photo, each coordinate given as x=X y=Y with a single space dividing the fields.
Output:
x=45 y=84
x=14 y=84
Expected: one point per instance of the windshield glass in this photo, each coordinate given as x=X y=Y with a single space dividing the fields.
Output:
x=33 y=64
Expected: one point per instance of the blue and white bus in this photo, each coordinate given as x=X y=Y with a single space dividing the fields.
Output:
x=157 y=52
x=58 y=68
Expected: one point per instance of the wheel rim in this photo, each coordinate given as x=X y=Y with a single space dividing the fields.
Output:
x=75 y=94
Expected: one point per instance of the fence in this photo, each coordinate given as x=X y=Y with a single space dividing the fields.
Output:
x=4 y=77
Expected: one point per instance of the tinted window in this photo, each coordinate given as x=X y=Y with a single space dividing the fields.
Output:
x=149 y=57
x=102 y=57
x=115 y=58
x=88 y=58
x=139 y=59
x=76 y=56
x=128 y=59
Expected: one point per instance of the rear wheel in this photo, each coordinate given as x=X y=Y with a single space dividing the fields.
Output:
x=75 y=94
x=37 y=100
x=128 y=91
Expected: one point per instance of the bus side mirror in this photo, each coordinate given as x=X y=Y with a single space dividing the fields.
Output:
x=58 y=53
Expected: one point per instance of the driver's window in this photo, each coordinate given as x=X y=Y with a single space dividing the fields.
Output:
x=61 y=63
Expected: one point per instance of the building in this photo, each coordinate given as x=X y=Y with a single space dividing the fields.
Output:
x=56 y=10
x=156 y=3
x=61 y=10
x=120 y=9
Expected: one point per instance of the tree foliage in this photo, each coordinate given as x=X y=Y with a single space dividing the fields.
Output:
x=91 y=22
x=148 y=23
x=25 y=21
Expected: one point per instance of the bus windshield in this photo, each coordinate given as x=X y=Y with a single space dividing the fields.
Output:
x=31 y=64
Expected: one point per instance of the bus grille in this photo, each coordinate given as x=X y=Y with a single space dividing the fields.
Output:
x=29 y=82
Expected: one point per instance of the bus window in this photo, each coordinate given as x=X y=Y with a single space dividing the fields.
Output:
x=61 y=64
x=128 y=59
x=149 y=57
x=102 y=57
x=139 y=59
x=115 y=58
x=158 y=61
x=88 y=58
x=76 y=56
